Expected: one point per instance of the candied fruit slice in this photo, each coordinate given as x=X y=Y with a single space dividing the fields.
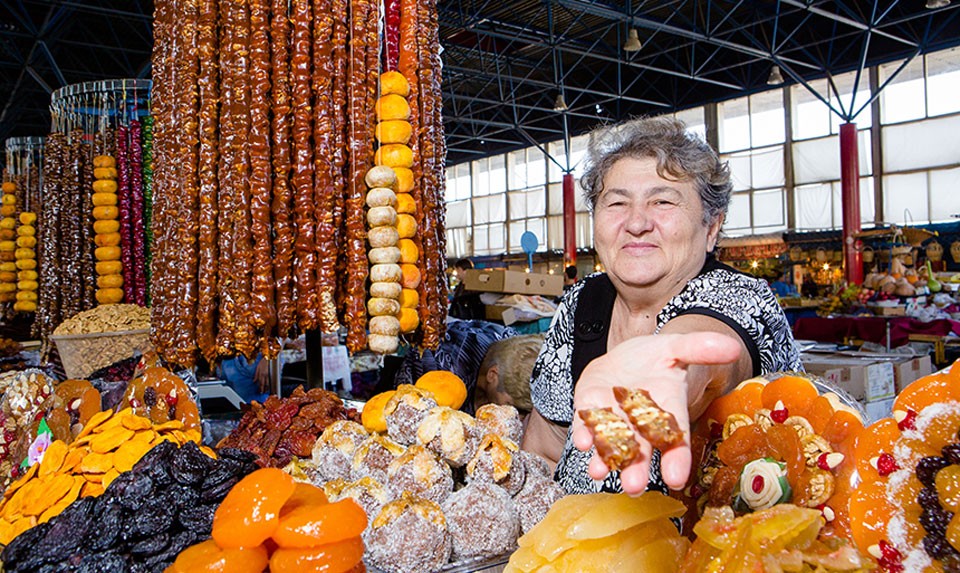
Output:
x=745 y=444
x=750 y=396
x=948 y=487
x=310 y=526
x=601 y=555
x=783 y=526
x=796 y=393
x=942 y=429
x=548 y=538
x=304 y=494
x=617 y=512
x=819 y=414
x=932 y=389
x=250 y=512
x=339 y=557
x=876 y=439
x=870 y=510
x=722 y=408
x=207 y=557
x=783 y=444
x=843 y=428
x=525 y=559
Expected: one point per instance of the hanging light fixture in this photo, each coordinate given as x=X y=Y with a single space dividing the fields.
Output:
x=633 y=43
x=934 y=4
x=775 y=78
x=559 y=104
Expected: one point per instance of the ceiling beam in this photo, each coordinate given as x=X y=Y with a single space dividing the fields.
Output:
x=809 y=7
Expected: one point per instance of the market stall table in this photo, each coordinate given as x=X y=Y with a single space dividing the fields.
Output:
x=892 y=331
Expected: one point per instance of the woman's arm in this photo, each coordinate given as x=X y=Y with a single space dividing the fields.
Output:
x=706 y=382
x=544 y=438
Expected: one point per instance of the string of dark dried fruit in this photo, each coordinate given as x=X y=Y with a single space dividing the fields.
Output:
x=228 y=152
x=70 y=226
x=207 y=247
x=280 y=150
x=263 y=311
x=305 y=262
x=160 y=275
x=88 y=265
x=123 y=205
x=433 y=202
x=361 y=159
x=339 y=153
x=48 y=311
x=137 y=236
x=147 y=202
x=323 y=77
x=187 y=104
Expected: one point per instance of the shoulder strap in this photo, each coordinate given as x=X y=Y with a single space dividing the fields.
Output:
x=591 y=323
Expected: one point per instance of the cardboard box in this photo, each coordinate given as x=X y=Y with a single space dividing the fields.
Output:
x=505 y=314
x=877 y=410
x=513 y=282
x=907 y=371
x=864 y=378
x=899 y=310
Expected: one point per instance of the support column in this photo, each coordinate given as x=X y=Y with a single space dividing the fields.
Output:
x=850 y=196
x=569 y=221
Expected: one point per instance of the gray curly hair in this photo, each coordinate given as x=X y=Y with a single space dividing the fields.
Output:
x=680 y=156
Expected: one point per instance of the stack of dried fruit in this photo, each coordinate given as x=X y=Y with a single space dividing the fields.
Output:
x=384 y=256
x=906 y=511
x=394 y=132
x=604 y=532
x=26 y=253
x=74 y=404
x=108 y=445
x=778 y=441
x=147 y=516
x=27 y=396
x=8 y=245
x=283 y=428
x=161 y=396
x=107 y=229
x=781 y=538
x=268 y=518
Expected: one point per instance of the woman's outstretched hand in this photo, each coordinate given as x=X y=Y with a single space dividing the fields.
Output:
x=660 y=365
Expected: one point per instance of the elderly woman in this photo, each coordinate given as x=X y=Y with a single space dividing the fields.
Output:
x=665 y=316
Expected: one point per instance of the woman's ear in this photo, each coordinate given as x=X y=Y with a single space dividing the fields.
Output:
x=713 y=233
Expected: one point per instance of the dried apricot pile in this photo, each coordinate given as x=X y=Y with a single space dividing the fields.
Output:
x=268 y=516
x=109 y=444
x=905 y=513
x=776 y=441
x=144 y=519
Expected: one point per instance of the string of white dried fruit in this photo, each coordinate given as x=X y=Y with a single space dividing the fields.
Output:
x=384 y=256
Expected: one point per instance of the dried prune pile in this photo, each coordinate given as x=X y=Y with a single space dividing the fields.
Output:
x=142 y=521
x=282 y=428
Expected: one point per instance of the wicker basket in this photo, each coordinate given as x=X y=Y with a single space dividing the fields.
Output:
x=84 y=354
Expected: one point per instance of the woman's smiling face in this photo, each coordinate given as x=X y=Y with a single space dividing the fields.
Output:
x=648 y=229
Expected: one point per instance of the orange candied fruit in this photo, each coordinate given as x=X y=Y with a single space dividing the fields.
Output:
x=870 y=510
x=795 y=392
x=876 y=439
x=311 y=526
x=250 y=513
x=339 y=557
x=207 y=557
x=304 y=495
x=938 y=387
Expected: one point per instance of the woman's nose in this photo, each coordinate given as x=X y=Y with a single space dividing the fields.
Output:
x=639 y=220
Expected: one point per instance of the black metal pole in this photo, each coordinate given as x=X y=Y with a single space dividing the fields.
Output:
x=313 y=347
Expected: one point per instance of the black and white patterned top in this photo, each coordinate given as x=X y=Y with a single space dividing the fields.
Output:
x=744 y=303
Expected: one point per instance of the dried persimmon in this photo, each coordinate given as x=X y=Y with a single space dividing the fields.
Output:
x=339 y=557
x=311 y=526
x=250 y=512
x=208 y=557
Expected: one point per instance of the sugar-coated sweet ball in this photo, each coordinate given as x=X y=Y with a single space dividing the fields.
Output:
x=409 y=535
x=482 y=520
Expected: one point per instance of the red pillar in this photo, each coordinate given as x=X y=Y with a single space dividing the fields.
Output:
x=850 y=196
x=569 y=221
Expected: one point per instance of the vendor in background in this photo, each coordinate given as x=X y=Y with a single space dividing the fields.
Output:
x=665 y=317
x=782 y=287
x=569 y=277
x=249 y=379
x=504 y=376
x=465 y=305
